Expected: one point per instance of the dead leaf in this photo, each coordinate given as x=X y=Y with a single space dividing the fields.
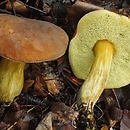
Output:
x=19 y=8
x=27 y=84
x=4 y=126
x=125 y=122
x=64 y=127
x=38 y=87
x=18 y=119
x=52 y=83
x=115 y=113
x=65 y=114
x=77 y=10
x=46 y=122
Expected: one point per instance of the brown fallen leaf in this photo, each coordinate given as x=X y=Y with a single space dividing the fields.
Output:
x=27 y=84
x=4 y=126
x=19 y=119
x=64 y=114
x=125 y=122
x=46 y=122
x=60 y=113
x=80 y=8
x=52 y=85
x=115 y=113
x=64 y=127
x=38 y=87
x=51 y=80
x=19 y=8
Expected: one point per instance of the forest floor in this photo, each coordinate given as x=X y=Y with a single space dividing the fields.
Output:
x=48 y=98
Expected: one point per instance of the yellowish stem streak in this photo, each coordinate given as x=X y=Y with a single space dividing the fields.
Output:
x=94 y=85
x=11 y=79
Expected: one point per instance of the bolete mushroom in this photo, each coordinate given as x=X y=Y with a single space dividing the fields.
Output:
x=23 y=41
x=99 y=53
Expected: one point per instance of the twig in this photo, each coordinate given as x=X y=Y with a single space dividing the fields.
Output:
x=33 y=8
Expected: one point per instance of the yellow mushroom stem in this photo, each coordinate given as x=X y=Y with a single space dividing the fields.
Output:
x=94 y=85
x=11 y=79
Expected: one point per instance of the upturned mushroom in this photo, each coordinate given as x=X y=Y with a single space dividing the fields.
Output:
x=99 y=53
x=23 y=41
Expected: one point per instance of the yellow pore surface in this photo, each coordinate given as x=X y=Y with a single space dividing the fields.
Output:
x=102 y=25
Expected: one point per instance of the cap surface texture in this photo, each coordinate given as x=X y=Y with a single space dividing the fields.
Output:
x=30 y=40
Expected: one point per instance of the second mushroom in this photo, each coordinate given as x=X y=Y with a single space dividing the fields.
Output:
x=99 y=53
x=23 y=41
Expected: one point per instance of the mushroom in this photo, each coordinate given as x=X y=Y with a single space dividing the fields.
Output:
x=99 y=53
x=23 y=41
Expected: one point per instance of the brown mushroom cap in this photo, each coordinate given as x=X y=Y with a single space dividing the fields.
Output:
x=30 y=40
x=102 y=25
